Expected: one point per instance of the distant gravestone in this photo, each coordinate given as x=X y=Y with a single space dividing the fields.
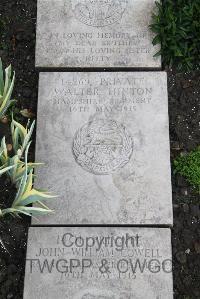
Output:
x=98 y=263
x=104 y=138
x=95 y=33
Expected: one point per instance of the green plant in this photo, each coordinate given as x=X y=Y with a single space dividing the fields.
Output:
x=27 y=195
x=20 y=173
x=4 y=169
x=21 y=136
x=188 y=165
x=14 y=165
x=177 y=28
x=6 y=88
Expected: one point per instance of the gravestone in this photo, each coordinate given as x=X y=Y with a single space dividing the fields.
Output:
x=104 y=139
x=98 y=263
x=95 y=33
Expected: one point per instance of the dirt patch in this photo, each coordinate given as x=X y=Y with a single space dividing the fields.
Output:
x=17 y=46
x=184 y=113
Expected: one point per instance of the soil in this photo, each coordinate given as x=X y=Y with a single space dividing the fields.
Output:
x=17 y=44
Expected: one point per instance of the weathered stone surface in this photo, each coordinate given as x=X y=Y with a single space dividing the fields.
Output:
x=95 y=33
x=98 y=263
x=105 y=141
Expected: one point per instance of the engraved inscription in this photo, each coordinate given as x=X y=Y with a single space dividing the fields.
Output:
x=99 y=263
x=91 y=296
x=109 y=95
x=95 y=33
x=102 y=146
x=99 y=13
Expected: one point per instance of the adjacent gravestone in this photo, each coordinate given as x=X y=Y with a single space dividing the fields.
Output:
x=104 y=139
x=98 y=263
x=95 y=33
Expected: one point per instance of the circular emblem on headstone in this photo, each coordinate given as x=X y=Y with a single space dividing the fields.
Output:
x=99 y=13
x=102 y=146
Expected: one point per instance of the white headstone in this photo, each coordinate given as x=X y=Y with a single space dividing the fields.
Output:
x=95 y=33
x=98 y=263
x=104 y=138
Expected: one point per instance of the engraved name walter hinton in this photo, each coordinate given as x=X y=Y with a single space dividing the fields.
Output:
x=99 y=13
x=102 y=146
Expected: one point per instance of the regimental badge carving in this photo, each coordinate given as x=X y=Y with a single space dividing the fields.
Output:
x=99 y=13
x=102 y=146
